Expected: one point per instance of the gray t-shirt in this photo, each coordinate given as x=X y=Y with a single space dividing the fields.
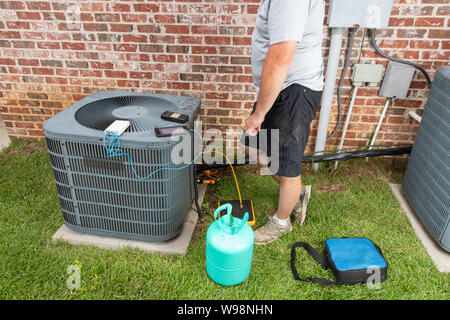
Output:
x=291 y=20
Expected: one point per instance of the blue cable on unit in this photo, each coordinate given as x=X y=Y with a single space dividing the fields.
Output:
x=111 y=143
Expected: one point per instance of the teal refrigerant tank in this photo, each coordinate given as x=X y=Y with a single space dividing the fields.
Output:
x=229 y=248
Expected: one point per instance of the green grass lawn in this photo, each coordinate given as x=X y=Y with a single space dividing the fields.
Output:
x=355 y=200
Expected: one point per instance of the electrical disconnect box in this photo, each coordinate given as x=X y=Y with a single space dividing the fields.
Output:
x=364 y=13
x=397 y=80
x=369 y=73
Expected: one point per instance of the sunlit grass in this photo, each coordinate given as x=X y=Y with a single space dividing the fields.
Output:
x=350 y=202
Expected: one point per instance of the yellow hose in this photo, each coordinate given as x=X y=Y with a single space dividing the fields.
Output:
x=232 y=169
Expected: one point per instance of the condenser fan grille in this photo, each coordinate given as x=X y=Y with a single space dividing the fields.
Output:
x=141 y=111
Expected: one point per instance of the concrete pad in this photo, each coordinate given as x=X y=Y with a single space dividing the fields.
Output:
x=78 y=238
x=177 y=245
x=4 y=138
x=440 y=257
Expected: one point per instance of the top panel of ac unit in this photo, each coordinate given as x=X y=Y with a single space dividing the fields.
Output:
x=87 y=119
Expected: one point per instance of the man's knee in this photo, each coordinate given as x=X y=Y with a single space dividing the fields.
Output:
x=297 y=179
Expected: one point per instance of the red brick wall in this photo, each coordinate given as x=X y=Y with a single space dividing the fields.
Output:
x=54 y=53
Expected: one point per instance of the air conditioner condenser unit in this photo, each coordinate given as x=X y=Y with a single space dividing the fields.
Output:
x=426 y=183
x=102 y=195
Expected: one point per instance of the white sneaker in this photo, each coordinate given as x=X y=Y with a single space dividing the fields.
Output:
x=271 y=231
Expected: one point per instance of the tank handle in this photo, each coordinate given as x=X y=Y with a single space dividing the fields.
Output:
x=230 y=229
x=244 y=221
x=223 y=207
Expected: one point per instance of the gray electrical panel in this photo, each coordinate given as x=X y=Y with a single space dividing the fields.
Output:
x=364 y=13
x=397 y=80
x=369 y=73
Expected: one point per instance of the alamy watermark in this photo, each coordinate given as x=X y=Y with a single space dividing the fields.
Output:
x=212 y=146
x=74 y=277
x=374 y=280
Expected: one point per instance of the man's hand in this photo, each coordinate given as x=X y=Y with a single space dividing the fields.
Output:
x=253 y=123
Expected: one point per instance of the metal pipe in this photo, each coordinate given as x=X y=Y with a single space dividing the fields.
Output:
x=328 y=91
x=347 y=120
x=379 y=124
x=415 y=116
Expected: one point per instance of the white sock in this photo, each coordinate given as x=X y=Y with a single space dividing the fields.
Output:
x=283 y=222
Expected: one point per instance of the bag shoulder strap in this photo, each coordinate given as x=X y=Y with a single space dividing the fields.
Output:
x=317 y=256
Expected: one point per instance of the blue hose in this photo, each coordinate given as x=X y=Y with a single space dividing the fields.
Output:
x=111 y=142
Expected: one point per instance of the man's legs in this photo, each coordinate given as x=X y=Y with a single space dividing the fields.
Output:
x=289 y=193
x=292 y=198
x=290 y=189
x=291 y=114
x=280 y=222
x=302 y=202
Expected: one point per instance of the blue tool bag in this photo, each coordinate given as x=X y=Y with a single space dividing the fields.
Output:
x=352 y=261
